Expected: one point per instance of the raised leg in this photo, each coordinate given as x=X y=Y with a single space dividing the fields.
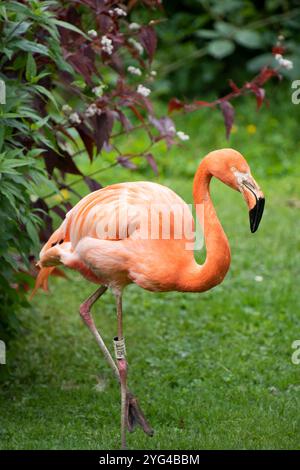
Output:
x=88 y=320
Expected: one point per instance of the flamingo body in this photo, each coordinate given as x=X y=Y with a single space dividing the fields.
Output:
x=125 y=256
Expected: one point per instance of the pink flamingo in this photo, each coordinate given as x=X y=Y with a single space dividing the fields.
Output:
x=154 y=263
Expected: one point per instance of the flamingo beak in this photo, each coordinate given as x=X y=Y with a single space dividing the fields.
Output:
x=255 y=214
x=255 y=201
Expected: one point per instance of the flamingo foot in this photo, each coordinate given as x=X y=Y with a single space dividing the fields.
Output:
x=135 y=416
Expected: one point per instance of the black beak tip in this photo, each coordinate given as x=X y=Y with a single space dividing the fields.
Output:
x=255 y=214
x=253 y=229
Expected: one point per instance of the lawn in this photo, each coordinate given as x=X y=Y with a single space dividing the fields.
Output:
x=212 y=370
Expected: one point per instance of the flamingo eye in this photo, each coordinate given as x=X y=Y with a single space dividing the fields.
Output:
x=241 y=177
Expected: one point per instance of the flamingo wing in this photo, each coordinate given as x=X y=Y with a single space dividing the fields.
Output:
x=116 y=235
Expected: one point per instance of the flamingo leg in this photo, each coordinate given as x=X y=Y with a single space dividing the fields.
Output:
x=122 y=366
x=85 y=314
x=133 y=413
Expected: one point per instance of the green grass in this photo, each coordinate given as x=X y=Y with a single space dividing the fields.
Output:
x=212 y=370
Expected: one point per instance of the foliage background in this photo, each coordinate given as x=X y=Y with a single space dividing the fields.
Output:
x=205 y=42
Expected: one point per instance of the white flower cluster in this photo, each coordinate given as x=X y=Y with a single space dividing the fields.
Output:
x=153 y=73
x=142 y=90
x=92 y=110
x=134 y=26
x=118 y=11
x=138 y=47
x=182 y=135
x=98 y=90
x=66 y=109
x=284 y=63
x=107 y=45
x=134 y=70
x=74 y=118
x=92 y=33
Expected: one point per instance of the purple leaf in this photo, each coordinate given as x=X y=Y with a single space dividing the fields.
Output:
x=103 y=125
x=59 y=211
x=126 y=163
x=82 y=63
x=148 y=40
x=67 y=205
x=152 y=162
x=92 y=184
x=87 y=138
x=166 y=128
x=228 y=114
x=164 y=125
x=63 y=161
x=126 y=124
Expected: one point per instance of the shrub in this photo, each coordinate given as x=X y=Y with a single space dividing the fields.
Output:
x=216 y=39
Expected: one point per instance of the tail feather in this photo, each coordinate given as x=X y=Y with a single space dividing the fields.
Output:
x=48 y=257
x=42 y=280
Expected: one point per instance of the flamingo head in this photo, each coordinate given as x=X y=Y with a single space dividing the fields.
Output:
x=231 y=168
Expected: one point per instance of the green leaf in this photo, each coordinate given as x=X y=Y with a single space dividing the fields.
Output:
x=79 y=83
x=38 y=77
x=57 y=56
x=42 y=90
x=3 y=13
x=30 y=68
x=10 y=115
x=30 y=46
x=259 y=61
x=14 y=29
x=9 y=196
x=40 y=123
x=35 y=152
x=71 y=27
x=17 y=7
x=7 y=165
x=247 y=38
x=226 y=29
x=2 y=130
x=8 y=52
x=220 y=48
x=207 y=34
x=32 y=232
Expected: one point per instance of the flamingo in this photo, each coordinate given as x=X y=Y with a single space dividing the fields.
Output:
x=159 y=263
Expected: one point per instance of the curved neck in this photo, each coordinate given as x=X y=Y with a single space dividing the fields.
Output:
x=199 y=278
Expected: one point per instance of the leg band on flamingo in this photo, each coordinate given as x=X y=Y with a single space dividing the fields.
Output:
x=119 y=347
